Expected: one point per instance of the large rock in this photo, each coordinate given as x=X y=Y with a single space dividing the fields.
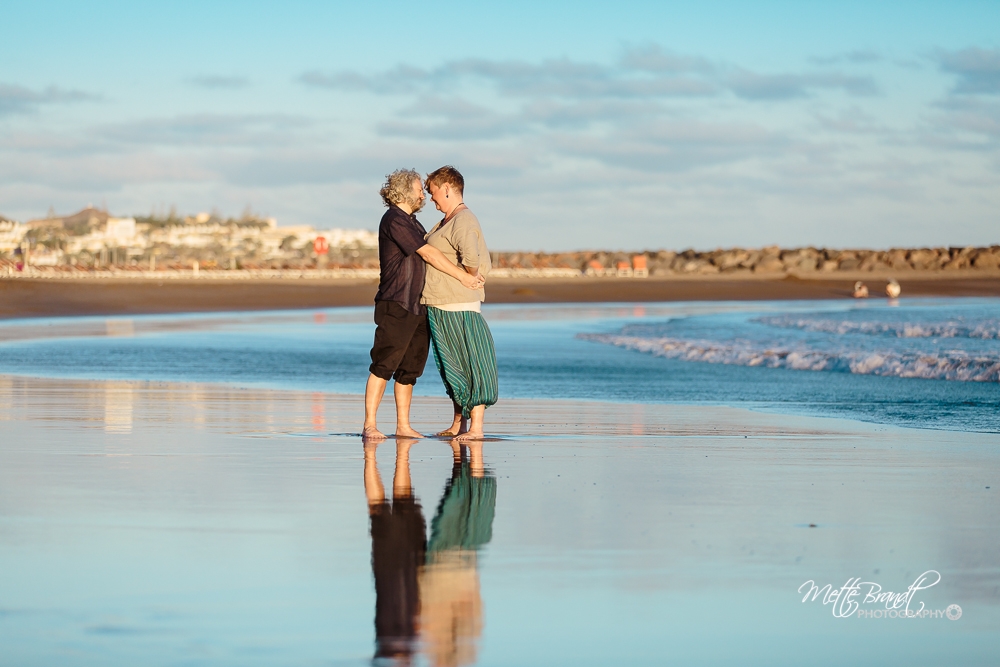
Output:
x=730 y=259
x=986 y=260
x=769 y=264
x=923 y=258
x=665 y=256
x=874 y=262
x=897 y=260
x=698 y=266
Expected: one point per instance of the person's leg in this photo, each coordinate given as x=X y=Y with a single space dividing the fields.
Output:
x=401 y=486
x=450 y=355
x=475 y=431
x=482 y=363
x=373 y=397
x=404 y=394
x=476 y=466
x=373 y=481
x=392 y=338
x=458 y=423
x=411 y=367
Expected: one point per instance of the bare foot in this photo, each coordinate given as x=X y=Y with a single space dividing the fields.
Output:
x=469 y=436
x=407 y=432
x=457 y=428
x=372 y=434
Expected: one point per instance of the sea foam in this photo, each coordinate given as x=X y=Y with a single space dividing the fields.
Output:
x=942 y=365
x=958 y=328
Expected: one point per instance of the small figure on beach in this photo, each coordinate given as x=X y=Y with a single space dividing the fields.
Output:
x=401 y=344
x=463 y=345
x=892 y=289
x=860 y=290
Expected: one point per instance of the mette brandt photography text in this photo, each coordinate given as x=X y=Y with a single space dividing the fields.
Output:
x=851 y=599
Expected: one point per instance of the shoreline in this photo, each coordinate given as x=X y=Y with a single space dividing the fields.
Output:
x=27 y=298
x=660 y=419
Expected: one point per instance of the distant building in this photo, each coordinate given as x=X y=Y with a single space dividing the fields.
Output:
x=11 y=235
x=92 y=233
x=120 y=231
x=639 y=268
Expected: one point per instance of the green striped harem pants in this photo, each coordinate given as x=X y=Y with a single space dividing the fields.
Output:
x=465 y=357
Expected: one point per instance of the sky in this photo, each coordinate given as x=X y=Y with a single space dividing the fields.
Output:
x=614 y=125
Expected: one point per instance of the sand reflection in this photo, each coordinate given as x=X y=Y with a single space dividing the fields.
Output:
x=118 y=402
x=427 y=593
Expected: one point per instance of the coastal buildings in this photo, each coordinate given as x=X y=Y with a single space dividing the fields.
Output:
x=94 y=239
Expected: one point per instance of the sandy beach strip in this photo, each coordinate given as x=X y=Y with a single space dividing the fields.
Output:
x=51 y=297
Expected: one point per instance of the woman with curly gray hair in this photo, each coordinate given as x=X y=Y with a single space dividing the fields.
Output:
x=401 y=335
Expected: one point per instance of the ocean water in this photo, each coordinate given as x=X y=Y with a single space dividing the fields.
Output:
x=921 y=363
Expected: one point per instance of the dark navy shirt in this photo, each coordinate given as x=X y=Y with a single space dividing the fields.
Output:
x=402 y=269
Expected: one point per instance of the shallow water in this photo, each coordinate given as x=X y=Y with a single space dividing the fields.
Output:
x=165 y=524
x=921 y=363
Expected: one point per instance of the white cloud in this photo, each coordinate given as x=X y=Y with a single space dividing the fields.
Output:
x=652 y=149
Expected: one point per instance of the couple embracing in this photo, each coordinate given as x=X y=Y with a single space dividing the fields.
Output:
x=431 y=289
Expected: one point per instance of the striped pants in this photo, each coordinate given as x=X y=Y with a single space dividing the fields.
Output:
x=465 y=357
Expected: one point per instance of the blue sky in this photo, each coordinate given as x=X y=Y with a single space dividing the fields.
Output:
x=616 y=125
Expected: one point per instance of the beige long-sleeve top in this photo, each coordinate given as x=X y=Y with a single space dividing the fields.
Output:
x=461 y=240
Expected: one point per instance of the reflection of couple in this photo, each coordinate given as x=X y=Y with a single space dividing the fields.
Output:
x=430 y=589
x=431 y=287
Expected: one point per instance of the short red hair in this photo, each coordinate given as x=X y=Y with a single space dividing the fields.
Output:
x=446 y=175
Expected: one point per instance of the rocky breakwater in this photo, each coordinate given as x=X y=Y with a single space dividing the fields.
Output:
x=771 y=260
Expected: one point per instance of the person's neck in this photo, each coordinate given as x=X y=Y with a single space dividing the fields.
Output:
x=405 y=208
x=454 y=209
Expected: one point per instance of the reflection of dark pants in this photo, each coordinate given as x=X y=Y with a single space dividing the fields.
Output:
x=401 y=343
x=398 y=546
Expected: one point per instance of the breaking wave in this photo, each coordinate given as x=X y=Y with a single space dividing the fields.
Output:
x=941 y=365
x=986 y=329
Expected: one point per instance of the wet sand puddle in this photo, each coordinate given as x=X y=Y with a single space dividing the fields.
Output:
x=156 y=523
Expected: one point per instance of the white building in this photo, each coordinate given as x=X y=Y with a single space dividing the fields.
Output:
x=120 y=231
x=11 y=235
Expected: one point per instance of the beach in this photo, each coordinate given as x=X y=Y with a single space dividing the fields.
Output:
x=163 y=523
x=191 y=488
x=26 y=297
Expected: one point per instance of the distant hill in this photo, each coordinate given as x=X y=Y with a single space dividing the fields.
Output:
x=88 y=217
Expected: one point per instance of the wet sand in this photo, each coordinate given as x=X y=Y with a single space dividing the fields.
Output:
x=48 y=298
x=153 y=523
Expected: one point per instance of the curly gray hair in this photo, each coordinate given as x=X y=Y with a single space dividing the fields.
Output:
x=398 y=186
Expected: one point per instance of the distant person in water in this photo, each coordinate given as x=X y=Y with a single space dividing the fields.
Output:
x=463 y=346
x=401 y=336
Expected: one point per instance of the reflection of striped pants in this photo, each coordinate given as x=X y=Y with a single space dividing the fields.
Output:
x=465 y=357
